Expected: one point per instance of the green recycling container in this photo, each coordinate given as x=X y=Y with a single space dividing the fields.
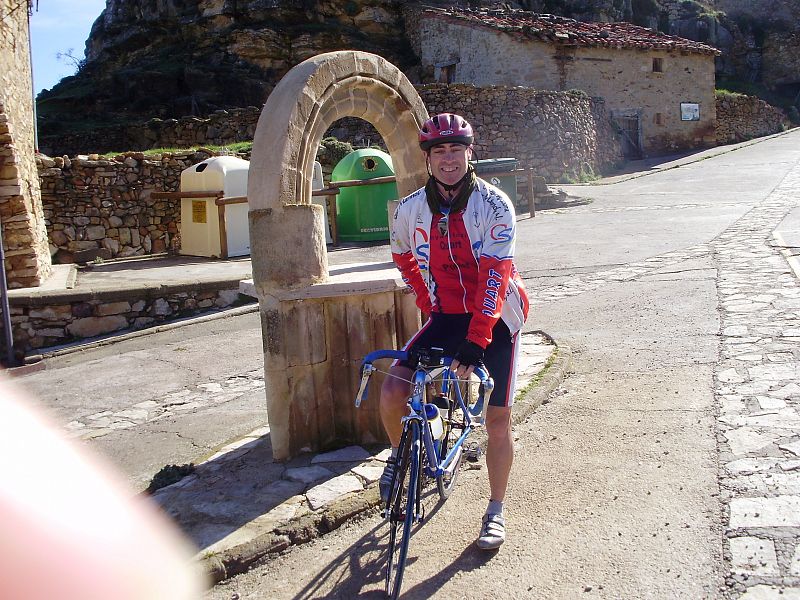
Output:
x=497 y=166
x=361 y=211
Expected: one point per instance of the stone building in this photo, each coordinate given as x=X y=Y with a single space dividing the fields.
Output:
x=24 y=234
x=658 y=88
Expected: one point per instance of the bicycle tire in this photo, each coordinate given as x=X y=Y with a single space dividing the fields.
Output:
x=453 y=428
x=402 y=507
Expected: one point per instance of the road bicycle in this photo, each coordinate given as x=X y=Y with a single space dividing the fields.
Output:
x=432 y=443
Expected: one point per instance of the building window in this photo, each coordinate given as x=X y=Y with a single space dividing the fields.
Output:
x=658 y=65
x=659 y=119
x=447 y=74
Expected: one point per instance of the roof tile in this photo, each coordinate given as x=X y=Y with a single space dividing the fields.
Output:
x=560 y=30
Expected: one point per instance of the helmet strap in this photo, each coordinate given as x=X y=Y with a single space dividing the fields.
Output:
x=456 y=198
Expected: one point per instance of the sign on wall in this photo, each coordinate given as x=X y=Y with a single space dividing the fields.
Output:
x=690 y=111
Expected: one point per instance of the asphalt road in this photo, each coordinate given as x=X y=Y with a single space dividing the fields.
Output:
x=615 y=490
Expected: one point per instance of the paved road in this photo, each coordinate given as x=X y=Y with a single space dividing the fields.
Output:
x=668 y=464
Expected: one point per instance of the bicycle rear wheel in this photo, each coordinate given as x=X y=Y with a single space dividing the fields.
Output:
x=402 y=507
x=453 y=428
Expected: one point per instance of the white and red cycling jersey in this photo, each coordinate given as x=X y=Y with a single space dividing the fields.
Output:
x=468 y=269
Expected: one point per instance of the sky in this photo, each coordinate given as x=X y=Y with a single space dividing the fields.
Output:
x=57 y=26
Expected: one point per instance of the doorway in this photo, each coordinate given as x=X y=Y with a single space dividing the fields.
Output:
x=629 y=125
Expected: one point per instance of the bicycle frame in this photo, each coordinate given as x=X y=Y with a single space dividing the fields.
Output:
x=423 y=376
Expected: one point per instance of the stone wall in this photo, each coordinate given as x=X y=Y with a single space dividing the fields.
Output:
x=102 y=206
x=27 y=260
x=557 y=133
x=49 y=319
x=741 y=118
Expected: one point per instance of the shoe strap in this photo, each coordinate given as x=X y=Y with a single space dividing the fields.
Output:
x=494 y=523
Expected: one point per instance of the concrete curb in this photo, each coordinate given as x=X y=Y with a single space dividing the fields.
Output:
x=235 y=561
x=122 y=292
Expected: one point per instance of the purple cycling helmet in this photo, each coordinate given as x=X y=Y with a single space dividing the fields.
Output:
x=445 y=128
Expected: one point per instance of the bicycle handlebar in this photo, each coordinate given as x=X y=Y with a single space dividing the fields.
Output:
x=480 y=371
x=367 y=369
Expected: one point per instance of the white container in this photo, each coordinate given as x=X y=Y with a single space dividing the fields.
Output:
x=200 y=230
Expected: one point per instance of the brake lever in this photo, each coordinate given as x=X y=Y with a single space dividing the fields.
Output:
x=366 y=372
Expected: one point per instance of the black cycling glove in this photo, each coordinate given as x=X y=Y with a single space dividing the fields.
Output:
x=469 y=354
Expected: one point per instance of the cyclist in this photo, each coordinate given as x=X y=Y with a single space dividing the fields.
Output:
x=453 y=242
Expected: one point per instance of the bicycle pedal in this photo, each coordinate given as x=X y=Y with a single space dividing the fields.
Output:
x=473 y=453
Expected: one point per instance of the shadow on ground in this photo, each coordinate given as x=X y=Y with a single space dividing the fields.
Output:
x=243 y=493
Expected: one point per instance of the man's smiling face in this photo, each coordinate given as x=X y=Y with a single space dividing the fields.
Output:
x=449 y=162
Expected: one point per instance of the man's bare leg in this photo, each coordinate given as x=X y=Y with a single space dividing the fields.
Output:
x=499 y=458
x=500 y=450
x=394 y=398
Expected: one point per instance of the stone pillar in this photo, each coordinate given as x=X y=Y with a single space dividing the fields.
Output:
x=314 y=340
x=24 y=232
x=317 y=329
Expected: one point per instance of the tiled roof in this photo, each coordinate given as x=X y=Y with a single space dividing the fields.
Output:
x=569 y=32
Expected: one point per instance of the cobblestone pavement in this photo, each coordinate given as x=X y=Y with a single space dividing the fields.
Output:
x=195 y=397
x=756 y=384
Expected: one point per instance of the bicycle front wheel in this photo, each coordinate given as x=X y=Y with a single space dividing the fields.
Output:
x=403 y=506
x=454 y=425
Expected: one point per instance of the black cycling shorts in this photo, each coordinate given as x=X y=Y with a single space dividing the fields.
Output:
x=500 y=357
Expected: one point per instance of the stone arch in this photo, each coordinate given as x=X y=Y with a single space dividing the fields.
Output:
x=287 y=241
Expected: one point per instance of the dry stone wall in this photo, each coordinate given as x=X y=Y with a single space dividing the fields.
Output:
x=49 y=319
x=741 y=118
x=557 y=133
x=103 y=206
x=24 y=235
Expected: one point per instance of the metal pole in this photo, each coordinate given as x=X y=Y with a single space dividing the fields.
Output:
x=531 y=197
x=10 y=361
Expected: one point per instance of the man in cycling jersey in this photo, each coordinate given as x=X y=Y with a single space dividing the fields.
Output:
x=453 y=242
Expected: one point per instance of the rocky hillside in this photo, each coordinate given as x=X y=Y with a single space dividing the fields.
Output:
x=190 y=57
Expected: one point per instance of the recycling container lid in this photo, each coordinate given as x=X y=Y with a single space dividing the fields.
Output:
x=490 y=165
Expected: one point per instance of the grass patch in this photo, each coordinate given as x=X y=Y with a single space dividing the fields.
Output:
x=586 y=174
x=723 y=92
x=540 y=375
x=236 y=148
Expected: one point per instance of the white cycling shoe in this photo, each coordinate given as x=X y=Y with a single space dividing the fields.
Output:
x=493 y=532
